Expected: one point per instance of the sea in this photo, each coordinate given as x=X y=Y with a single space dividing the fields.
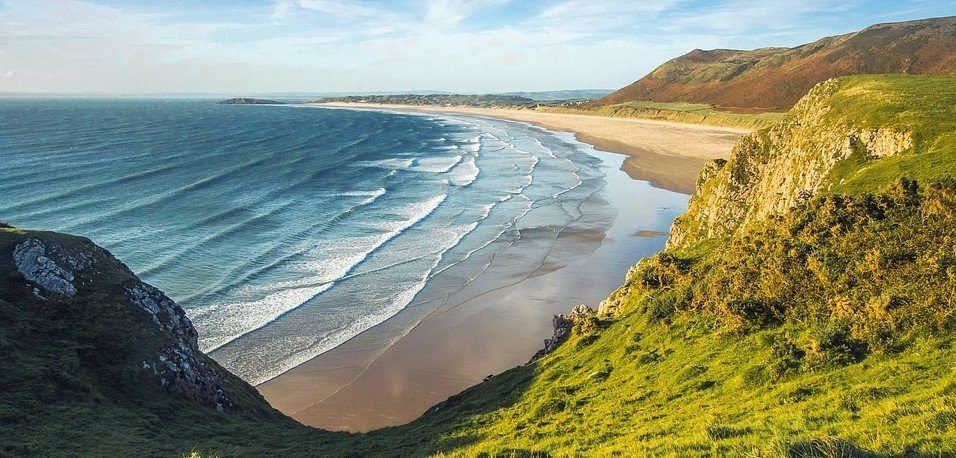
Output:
x=286 y=230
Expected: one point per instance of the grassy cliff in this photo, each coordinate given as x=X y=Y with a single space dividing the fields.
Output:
x=821 y=328
x=851 y=135
x=819 y=323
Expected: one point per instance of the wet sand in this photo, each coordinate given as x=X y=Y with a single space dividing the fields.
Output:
x=667 y=154
x=380 y=378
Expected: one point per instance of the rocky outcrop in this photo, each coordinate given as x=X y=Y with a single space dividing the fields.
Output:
x=180 y=367
x=66 y=273
x=30 y=258
x=562 y=327
x=773 y=170
x=880 y=142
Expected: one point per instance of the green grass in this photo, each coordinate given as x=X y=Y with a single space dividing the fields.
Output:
x=694 y=113
x=650 y=403
x=921 y=105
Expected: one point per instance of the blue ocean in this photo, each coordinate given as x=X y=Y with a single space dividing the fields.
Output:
x=286 y=230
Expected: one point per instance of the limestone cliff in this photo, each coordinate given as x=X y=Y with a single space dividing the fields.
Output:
x=775 y=169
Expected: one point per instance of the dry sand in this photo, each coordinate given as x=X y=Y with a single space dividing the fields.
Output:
x=667 y=154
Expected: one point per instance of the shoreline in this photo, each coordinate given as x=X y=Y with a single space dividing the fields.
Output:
x=666 y=154
x=378 y=379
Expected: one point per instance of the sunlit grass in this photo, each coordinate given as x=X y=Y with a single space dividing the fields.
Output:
x=694 y=113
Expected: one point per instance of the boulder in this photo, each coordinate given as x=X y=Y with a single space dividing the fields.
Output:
x=31 y=261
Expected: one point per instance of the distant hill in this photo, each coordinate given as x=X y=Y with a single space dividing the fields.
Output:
x=486 y=100
x=773 y=79
x=506 y=99
x=249 y=101
x=570 y=94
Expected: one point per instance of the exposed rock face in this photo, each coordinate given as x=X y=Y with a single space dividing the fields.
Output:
x=880 y=142
x=67 y=272
x=562 y=326
x=32 y=262
x=179 y=367
x=773 y=170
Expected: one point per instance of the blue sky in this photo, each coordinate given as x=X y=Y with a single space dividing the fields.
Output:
x=246 y=46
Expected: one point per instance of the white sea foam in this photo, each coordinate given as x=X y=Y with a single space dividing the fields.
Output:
x=219 y=324
x=446 y=239
x=360 y=324
x=325 y=264
x=465 y=173
x=388 y=164
x=402 y=264
x=436 y=164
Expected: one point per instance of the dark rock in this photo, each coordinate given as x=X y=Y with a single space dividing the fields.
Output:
x=68 y=270
x=180 y=367
x=562 y=327
x=31 y=261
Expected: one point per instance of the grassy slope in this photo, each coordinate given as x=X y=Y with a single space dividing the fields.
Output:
x=71 y=380
x=695 y=113
x=921 y=105
x=740 y=350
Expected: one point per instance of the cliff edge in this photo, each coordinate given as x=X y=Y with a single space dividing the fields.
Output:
x=848 y=135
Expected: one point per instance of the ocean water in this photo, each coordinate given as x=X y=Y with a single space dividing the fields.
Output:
x=283 y=230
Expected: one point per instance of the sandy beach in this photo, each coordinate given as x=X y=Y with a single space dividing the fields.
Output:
x=380 y=378
x=667 y=154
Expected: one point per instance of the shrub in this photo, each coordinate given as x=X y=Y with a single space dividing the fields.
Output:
x=752 y=312
x=550 y=406
x=828 y=447
x=661 y=305
x=785 y=358
x=585 y=325
x=834 y=347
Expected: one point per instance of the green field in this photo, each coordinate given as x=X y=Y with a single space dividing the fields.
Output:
x=695 y=113
x=924 y=106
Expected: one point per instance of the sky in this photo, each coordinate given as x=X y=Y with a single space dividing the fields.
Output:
x=247 y=47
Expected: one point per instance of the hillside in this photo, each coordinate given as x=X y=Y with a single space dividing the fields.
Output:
x=803 y=308
x=773 y=79
x=823 y=328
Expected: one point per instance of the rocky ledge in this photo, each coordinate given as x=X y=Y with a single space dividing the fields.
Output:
x=563 y=324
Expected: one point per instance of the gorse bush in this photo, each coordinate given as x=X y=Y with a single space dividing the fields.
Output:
x=854 y=274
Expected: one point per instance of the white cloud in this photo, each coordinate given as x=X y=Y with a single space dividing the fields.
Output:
x=353 y=45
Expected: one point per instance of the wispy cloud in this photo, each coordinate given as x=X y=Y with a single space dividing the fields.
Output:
x=340 y=8
x=341 y=45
